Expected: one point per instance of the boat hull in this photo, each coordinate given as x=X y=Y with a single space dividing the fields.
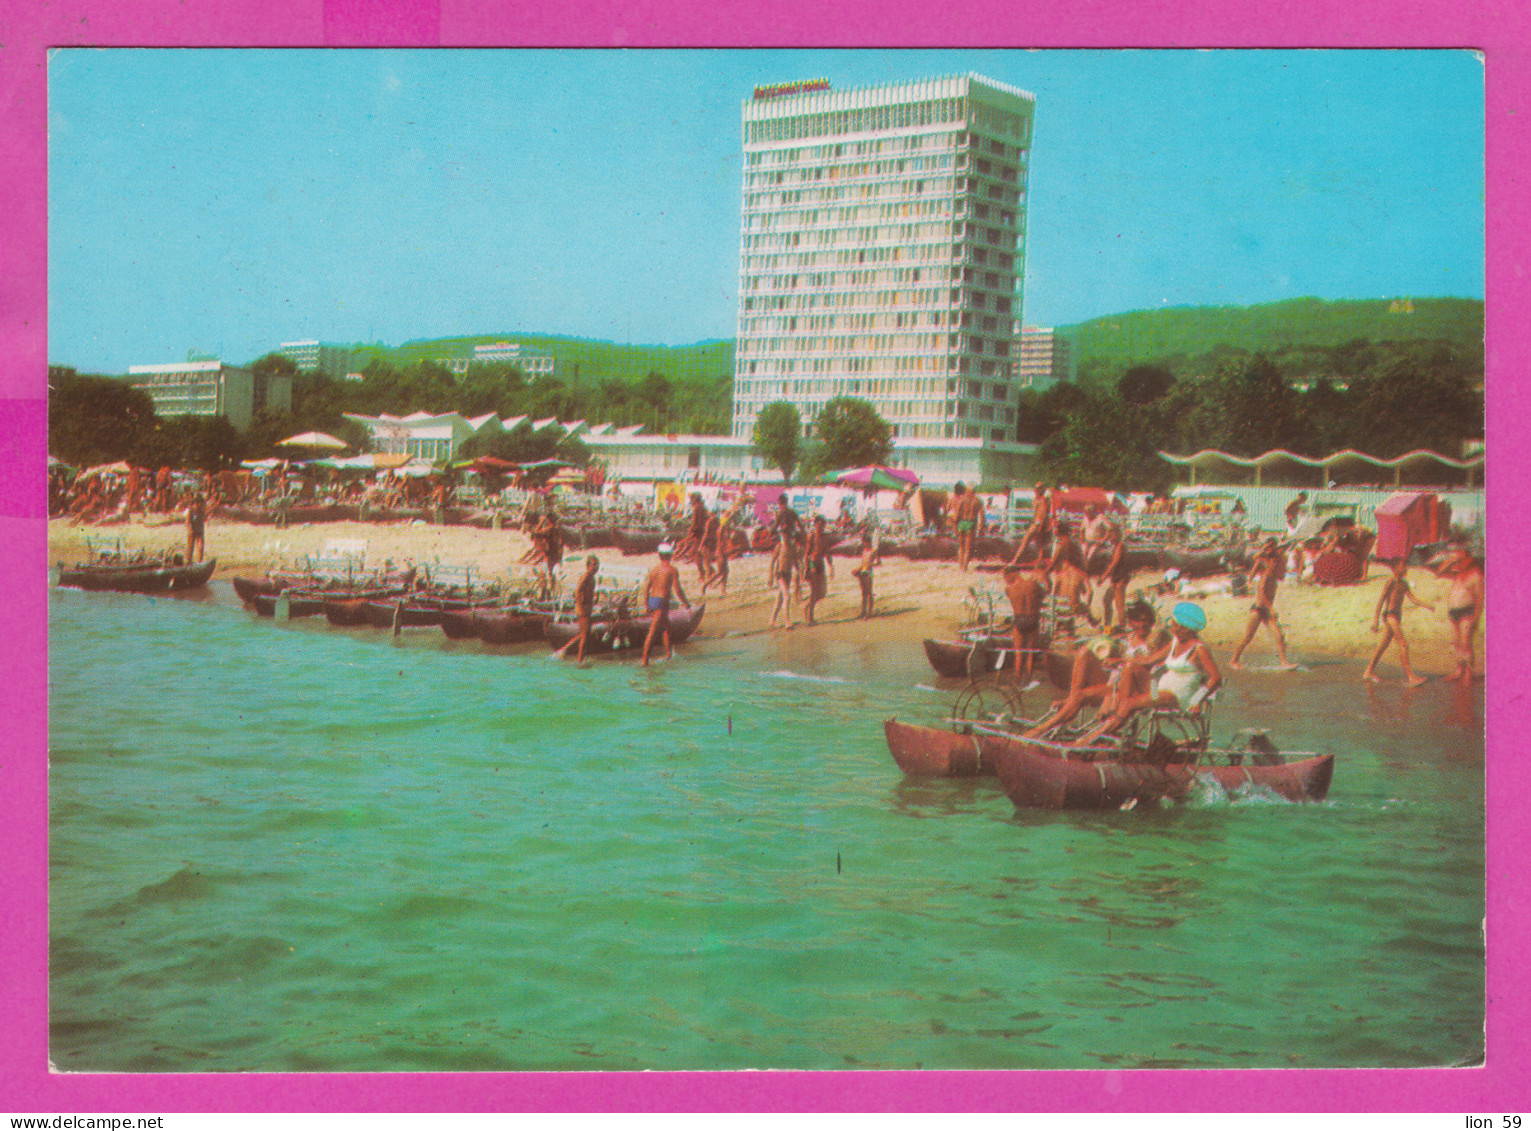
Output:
x=1035 y=777
x=931 y=752
x=300 y=603
x=966 y=660
x=494 y=626
x=608 y=637
x=138 y=579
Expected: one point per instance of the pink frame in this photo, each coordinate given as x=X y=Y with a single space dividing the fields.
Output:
x=1502 y=32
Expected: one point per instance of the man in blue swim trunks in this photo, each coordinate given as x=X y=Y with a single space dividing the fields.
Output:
x=663 y=581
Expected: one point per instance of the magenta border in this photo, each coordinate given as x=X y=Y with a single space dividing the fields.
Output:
x=1502 y=32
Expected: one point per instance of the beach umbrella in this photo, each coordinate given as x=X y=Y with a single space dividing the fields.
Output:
x=313 y=440
x=491 y=464
x=882 y=478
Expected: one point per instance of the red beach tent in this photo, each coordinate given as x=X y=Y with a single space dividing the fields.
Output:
x=1408 y=519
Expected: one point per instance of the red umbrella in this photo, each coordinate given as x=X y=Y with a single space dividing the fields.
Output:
x=491 y=463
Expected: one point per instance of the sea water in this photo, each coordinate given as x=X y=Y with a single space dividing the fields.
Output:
x=291 y=847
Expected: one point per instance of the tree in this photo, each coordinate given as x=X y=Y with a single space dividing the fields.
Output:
x=94 y=420
x=1103 y=443
x=778 y=437
x=524 y=444
x=851 y=434
x=1144 y=384
x=274 y=365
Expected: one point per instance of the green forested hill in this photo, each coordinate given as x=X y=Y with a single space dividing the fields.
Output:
x=1184 y=338
x=581 y=360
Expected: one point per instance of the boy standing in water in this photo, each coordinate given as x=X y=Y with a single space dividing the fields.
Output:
x=663 y=581
x=1264 y=577
x=584 y=607
x=1390 y=609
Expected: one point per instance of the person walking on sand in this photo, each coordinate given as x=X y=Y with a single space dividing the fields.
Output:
x=783 y=571
x=696 y=535
x=1065 y=571
x=863 y=575
x=1117 y=574
x=1464 y=606
x=662 y=585
x=1294 y=512
x=723 y=543
x=1264 y=577
x=967 y=514
x=815 y=565
x=196 y=521
x=1093 y=532
x=1390 y=610
x=1041 y=527
x=1026 y=593
x=584 y=607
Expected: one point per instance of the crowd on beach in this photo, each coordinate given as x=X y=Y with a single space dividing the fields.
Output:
x=1075 y=563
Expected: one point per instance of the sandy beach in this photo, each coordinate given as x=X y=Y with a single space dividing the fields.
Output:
x=914 y=599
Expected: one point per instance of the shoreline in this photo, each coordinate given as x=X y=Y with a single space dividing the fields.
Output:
x=913 y=599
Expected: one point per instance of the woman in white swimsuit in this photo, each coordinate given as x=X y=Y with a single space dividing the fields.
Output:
x=1187 y=674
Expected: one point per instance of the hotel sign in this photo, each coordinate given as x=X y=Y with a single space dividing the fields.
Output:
x=783 y=89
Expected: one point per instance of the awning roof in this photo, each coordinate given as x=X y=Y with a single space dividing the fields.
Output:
x=1209 y=457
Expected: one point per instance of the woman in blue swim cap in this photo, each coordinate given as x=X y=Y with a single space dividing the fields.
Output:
x=1180 y=675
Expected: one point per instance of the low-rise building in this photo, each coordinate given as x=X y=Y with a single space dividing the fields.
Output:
x=211 y=388
x=438 y=436
x=630 y=453
x=532 y=363
x=424 y=435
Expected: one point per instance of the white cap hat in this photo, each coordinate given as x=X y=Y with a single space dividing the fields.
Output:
x=666 y=548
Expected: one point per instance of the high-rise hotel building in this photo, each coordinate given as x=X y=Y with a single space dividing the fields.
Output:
x=882 y=253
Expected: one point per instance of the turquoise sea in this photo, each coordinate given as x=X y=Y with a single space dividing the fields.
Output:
x=289 y=847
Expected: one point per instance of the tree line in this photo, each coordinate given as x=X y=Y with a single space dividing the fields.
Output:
x=1384 y=398
x=96 y=419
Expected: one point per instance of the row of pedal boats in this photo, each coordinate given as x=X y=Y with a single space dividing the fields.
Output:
x=395 y=603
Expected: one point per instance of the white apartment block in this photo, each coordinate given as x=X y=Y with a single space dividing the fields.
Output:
x=211 y=388
x=328 y=359
x=532 y=363
x=882 y=252
x=1045 y=358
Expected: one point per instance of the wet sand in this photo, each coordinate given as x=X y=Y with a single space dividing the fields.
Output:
x=914 y=599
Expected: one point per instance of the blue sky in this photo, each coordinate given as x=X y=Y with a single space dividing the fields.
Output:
x=226 y=201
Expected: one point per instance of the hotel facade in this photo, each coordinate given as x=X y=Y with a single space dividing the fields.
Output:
x=211 y=388
x=882 y=253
